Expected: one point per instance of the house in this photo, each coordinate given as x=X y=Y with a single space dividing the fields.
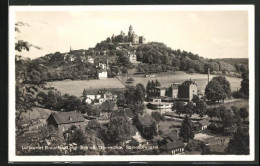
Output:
x=135 y=135
x=64 y=120
x=103 y=65
x=102 y=74
x=187 y=90
x=157 y=91
x=170 y=137
x=173 y=147
x=106 y=108
x=90 y=59
x=202 y=124
x=144 y=120
x=173 y=90
x=132 y=57
x=92 y=94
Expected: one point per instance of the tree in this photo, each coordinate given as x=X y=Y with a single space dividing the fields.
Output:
x=225 y=85
x=188 y=108
x=186 y=130
x=140 y=92
x=150 y=131
x=124 y=71
x=157 y=116
x=75 y=135
x=243 y=113
x=239 y=144
x=41 y=97
x=210 y=112
x=178 y=106
x=218 y=89
x=236 y=115
x=195 y=99
x=245 y=85
x=118 y=130
x=201 y=108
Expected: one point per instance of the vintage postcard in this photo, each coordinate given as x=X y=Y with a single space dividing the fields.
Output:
x=131 y=83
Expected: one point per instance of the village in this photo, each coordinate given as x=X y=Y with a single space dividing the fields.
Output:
x=138 y=118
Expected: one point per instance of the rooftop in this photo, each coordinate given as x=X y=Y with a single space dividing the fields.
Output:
x=145 y=119
x=172 y=145
x=67 y=117
x=188 y=83
x=203 y=122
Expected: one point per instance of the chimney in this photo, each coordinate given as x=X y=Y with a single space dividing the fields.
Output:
x=208 y=74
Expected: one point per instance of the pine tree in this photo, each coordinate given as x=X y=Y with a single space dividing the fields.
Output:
x=186 y=131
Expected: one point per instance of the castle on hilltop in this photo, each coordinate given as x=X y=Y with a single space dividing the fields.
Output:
x=130 y=38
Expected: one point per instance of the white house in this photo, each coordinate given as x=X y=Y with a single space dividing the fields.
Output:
x=90 y=59
x=102 y=74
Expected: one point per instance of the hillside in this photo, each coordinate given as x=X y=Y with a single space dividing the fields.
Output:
x=152 y=57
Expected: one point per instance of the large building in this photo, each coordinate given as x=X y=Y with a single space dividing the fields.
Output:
x=130 y=38
x=187 y=90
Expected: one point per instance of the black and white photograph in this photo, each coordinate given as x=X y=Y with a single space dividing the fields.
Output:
x=136 y=83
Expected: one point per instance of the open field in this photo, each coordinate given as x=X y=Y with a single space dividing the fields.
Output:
x=217 y=144
x=76 y=87
x=167 y=79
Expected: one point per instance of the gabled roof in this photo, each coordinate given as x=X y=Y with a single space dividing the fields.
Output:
x=188 y=83
x=203 y=122
x=145 y=119
x=172 y=145
x=67 y=117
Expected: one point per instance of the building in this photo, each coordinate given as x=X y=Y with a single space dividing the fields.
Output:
x=202 y=124
x=187 y=90
x=173 y=147
x=64 y=120
x=143 y=120
x=131 y=38
x=106 y=108
x=90 y=59
x=97 y=96
x=173 y=90
x=101 y=74
x=135 y=135
x=132 y=57
x=92 y=94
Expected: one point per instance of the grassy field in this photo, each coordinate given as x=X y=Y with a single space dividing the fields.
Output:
x=167 y=79
x=76 y=87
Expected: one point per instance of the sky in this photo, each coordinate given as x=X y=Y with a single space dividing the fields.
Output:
x=210 y=34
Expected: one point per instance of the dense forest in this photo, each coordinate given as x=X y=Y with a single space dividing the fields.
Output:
x=154 y=57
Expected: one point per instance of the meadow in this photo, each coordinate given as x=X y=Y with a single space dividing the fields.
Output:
x=76 y=87
x=167 y=79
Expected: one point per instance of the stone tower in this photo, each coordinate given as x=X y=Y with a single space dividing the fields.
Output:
x=130 y=32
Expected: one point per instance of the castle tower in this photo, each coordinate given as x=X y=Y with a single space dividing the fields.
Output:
x=130 y=32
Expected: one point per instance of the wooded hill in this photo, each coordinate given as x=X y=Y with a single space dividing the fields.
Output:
x=154 y=57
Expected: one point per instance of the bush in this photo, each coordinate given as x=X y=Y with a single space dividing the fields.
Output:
x=237 y=94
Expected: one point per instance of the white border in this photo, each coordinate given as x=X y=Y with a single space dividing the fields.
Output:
x=251 y=54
